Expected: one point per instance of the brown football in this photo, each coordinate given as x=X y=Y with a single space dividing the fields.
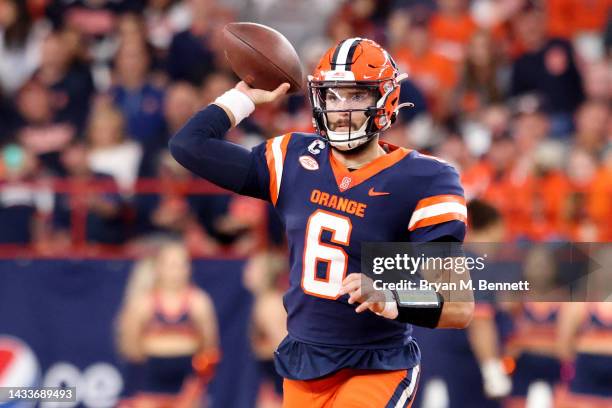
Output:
x=261 y=56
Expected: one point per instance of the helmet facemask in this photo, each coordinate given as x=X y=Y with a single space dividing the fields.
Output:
x=322 y=93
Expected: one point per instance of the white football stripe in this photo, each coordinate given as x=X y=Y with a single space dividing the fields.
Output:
x=277 y=153
x=437 y=209
x=410 y=388
x=343 y=53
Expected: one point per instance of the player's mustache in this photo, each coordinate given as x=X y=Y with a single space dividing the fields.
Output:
x=342 y=123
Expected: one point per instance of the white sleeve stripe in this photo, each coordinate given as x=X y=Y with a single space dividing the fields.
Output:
x=407 y=393
x=437 y=209
x=277 y=153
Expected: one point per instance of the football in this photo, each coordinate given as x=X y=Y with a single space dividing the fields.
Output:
x=262 y=57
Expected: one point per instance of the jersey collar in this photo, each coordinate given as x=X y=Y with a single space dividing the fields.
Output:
x=346 y=179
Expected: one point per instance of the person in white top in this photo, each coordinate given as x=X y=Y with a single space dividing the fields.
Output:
x=20 y=45
x=110 y=151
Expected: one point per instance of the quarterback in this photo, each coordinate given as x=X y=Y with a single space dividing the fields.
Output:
x=337 y=188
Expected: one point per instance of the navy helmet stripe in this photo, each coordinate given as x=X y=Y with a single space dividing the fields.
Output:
x=335 y=56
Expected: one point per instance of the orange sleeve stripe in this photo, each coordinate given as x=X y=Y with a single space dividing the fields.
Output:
x=444 y=198
x=284 y=144
x=438 y=219
x=271 y=171
x=276 y=152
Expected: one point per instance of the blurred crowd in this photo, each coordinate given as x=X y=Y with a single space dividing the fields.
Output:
x=514 y=93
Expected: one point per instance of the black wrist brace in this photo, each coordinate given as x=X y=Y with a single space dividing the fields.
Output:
x=426 y=315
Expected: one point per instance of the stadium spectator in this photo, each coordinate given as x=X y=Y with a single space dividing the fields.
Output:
x=38 y=131
x=434 y=74
x=173 y=212
x=190 y=57
x=165 y=18
x=361 y=17
x=68 y=79
x=163 y=326
x=572 y=18
x=547 y=67
x=180 y=102
x=20 y=42
x=531 y=125
x=8 y=120
x=140 y=101
x=101 y=211
x=478 y=131
x=578 y=220
x=598 y=81
x=601 y=197
x=23 y=205
x=110 y=151
x=93 y=18
x=483 y=78
x=451 y=29
x=592 y=125
x=131 y=28
x=397 y=25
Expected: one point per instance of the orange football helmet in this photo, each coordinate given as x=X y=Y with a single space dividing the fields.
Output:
x=356 y=63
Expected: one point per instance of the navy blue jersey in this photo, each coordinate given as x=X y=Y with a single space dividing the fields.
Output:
x=328 y=211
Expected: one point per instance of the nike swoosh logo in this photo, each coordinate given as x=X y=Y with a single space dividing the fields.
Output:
x=373 y=193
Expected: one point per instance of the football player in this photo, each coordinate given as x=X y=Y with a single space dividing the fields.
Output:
x=335 y=189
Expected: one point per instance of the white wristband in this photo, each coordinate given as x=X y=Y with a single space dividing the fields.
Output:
x=238 y=103
x=390 y=308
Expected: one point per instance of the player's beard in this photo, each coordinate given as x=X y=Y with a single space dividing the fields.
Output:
x=354 y=128
x=360 y=148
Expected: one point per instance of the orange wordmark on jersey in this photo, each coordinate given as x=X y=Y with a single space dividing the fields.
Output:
x=276 y=152
x=338 y=203
x=438 y=209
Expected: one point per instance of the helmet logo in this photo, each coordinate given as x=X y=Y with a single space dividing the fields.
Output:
x=339 y=75
x=308 y=163
x=346 y=183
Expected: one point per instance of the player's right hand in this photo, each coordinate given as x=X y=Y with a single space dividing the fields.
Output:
x=360 y=289
x=259 y=96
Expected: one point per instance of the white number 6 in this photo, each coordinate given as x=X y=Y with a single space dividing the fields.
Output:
x=334 y=256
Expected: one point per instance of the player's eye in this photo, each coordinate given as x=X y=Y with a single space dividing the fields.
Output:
x=359 y=97
x=331 y=97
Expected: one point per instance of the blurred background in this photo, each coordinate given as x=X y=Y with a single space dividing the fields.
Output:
x=123 y=274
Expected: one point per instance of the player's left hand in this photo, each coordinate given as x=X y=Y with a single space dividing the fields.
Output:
x=360 y=289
